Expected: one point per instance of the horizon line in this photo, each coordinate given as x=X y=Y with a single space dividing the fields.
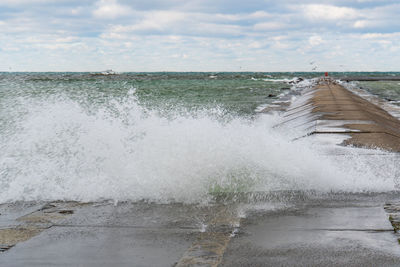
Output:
x=166 y=71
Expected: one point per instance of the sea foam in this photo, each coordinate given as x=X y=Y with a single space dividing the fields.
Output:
x=58 y=150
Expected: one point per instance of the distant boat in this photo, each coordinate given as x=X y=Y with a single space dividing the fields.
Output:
x=108 y=72
x=105 y=73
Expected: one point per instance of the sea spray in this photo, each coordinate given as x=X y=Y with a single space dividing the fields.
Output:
x=96 y=142
x=123 y=151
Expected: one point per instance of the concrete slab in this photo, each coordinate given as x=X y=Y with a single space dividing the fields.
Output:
x=126 y=234
x=104 y=234
x=101 y=246
x=10 y=212
x=326 y=230
x=346 y=235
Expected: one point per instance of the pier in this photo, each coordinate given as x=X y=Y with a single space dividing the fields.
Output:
x=330 y=109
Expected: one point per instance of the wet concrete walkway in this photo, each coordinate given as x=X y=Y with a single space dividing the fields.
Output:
x=104 y=234
x=108 y=234
x=320 y=234
x=348 y=230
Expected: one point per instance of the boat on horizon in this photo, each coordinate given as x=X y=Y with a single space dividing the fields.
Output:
x=105 y=73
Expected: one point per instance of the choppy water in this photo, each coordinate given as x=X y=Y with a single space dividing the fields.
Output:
x=388 y=90
x=165 y=136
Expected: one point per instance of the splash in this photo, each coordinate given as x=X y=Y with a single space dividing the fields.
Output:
x=58 y=150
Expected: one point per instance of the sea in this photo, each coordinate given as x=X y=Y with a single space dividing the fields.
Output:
x=172 y=137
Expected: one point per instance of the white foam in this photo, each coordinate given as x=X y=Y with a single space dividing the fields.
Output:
x=262 y=107
x=124 y=152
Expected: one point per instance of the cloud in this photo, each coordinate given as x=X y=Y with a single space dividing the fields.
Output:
x=361 y=24
x=315 y=40
x=268 y=26
x=202 y=34
x=380 y=35
x=24 y=2
x=110 y=9
x=159 y=20
x=66 y=39
x=177 y=22
x=329 y=12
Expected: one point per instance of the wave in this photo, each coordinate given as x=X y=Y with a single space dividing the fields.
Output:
x=59 y=150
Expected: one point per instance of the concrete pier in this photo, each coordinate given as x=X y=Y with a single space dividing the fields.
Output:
x=330 y=109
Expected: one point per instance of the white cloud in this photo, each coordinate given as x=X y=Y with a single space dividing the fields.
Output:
x=110 y=9
x=268 y=26
x=329 y=12
x=114 y=35
x=359 y=24
x=159 y=20
x=155 y=20
x=280 y=45
x=380 y=35
x=279 y=42
x=54 y=46
x=255 y=45
x=259 y=14
x=66 y=39
x=24 y=2
x=218 y=30
x=315 y=40
x=175 y=23
x=76 y=11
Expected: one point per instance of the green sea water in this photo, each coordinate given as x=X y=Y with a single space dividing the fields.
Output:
x=237 y=93
x=388 y=90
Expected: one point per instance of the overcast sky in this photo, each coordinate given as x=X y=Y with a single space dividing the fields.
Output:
x=199 y=35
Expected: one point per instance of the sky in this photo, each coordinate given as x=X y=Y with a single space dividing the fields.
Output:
x=199 y=35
